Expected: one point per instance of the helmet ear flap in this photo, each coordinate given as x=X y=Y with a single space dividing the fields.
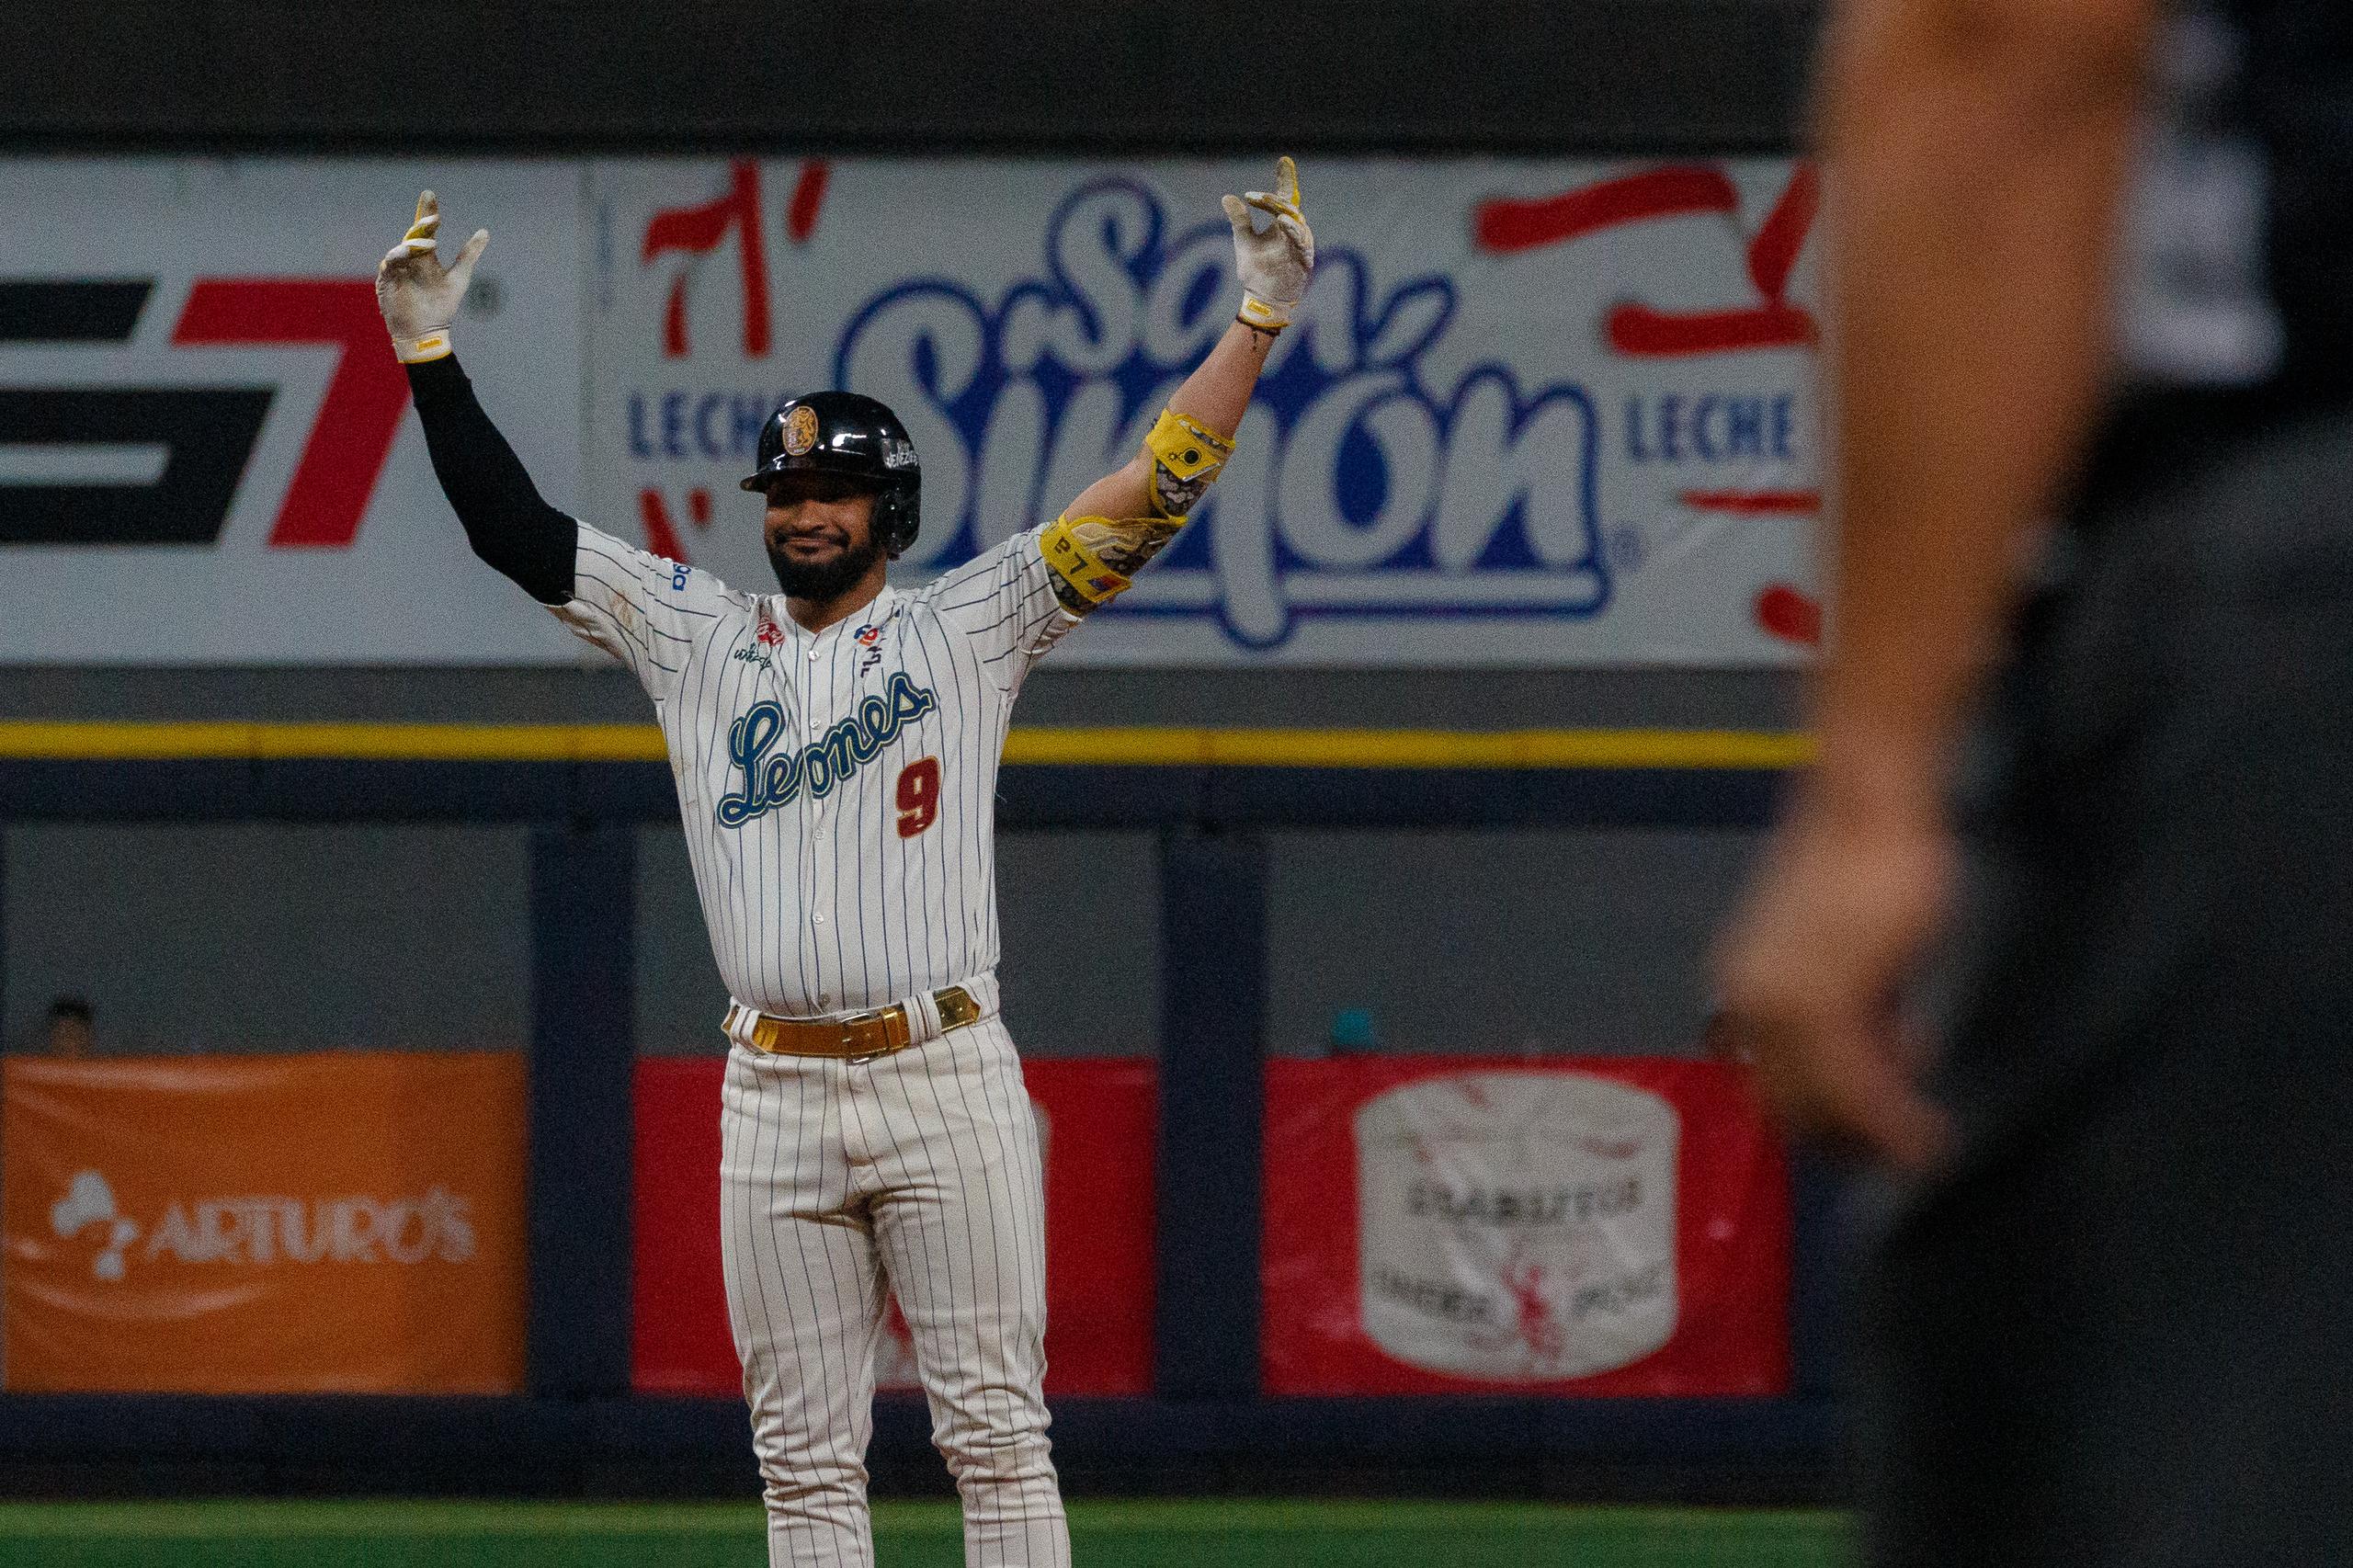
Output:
x=897 y=518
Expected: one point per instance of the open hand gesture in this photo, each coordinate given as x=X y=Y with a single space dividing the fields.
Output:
x=419 y=296
x=1274 y=261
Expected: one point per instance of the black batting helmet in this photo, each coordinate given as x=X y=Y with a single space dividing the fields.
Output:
x=839 y=432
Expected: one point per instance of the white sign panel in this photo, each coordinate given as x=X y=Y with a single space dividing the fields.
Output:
x=206 y=449
x=1531 y=413
x=1551 y=1192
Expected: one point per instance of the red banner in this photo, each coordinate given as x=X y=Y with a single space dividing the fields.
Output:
x=1569 y=1225
x=340 y=1223
x=1097 y=1124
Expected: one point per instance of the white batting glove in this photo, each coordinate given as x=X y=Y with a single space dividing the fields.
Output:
x=419 y=296
x=1275 y=263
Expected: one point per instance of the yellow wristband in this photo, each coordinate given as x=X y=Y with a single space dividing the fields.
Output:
x=1263 y=314
x=433 y=344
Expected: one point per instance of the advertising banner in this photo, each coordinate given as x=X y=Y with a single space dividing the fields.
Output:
x=1096 y=1120
x=1587 y=1226
x=1531 y=413
x=337 y=1223
x=206 y=449
x=1549 y=412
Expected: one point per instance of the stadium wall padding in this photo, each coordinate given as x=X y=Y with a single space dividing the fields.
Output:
x=1205 y=1429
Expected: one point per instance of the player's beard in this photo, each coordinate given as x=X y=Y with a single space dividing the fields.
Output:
x=824 y=580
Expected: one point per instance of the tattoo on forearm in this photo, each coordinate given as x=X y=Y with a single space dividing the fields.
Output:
x=1173 y=496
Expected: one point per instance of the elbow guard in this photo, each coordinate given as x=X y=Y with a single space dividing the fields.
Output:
x=1186 y=458
x=1094 y=559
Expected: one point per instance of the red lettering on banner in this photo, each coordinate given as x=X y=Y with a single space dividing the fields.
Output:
x=697 y=230
x=1638 y=330
x=661 y=536
x=1773 y=254
x=808 y=195
x=1507 y=225
x=1532 y=1312
x=360 y=415
x=1790 y=614
x=1792 y=503
x=1641 y=331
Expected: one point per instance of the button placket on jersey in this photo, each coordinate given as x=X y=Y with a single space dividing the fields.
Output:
x=813 y=839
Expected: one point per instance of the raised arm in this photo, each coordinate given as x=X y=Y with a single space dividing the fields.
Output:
x=507 y=523
x=1125 y=519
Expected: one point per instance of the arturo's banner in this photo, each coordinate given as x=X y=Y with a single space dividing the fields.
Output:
x=338 y=1222
x=1544 y=413
x=206 y=449
x=1096 y=1125
x=1596 y=1226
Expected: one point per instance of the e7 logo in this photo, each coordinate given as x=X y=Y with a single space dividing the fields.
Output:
x=206 y=434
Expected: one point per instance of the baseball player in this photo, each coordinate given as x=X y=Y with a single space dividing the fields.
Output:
x=835 y=747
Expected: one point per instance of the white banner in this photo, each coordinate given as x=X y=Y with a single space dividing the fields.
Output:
x=1552 y=1192
x=206 y=452
x=1531 y=413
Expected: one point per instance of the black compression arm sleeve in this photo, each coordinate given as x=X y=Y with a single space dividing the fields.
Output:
x=504 y=520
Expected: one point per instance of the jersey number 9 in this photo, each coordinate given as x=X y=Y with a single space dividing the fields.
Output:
x=918 y=796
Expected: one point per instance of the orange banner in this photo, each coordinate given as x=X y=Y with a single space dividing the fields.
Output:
x=268 y=1224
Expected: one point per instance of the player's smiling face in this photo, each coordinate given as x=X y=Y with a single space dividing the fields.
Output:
x=820 y=533
x=815 y=516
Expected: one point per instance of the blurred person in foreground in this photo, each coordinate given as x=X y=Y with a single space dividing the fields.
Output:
x=2090 y=260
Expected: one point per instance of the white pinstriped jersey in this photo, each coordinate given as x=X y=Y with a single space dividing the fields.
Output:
x=839 y=788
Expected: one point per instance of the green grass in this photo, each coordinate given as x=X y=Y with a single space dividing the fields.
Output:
x=908 y=1535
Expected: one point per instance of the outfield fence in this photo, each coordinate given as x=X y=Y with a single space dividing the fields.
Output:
x=1197 y=1412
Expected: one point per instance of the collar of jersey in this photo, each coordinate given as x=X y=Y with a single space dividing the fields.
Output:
x=873 y=612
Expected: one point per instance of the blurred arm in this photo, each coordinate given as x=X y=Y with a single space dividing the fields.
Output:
x=1977 y=150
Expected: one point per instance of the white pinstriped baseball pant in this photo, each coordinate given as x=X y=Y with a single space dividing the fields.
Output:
x=843 y=1181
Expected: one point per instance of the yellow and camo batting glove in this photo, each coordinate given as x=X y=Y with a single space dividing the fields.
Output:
x=419 y=296
x=1275 y=262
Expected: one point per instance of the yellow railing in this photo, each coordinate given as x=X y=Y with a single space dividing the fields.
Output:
x=122 y=740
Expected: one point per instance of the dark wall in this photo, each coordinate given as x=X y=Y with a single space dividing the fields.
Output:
x=1535 y=75
x=275 y=936
x=269 y=935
